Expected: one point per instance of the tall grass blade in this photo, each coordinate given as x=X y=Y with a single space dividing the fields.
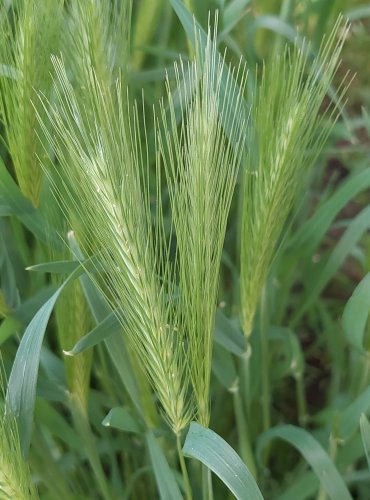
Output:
x=355 y=315
x=21 y=391
x=365 y=434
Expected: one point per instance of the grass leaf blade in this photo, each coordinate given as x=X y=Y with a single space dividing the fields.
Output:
x=21 y=393
x=210 y=449
x=314 y=454
x=167 y=486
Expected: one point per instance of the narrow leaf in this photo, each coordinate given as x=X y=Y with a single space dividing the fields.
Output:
x=167 y=486
x=120 y=418
x=356 y=313
x=365 y=434
x=351 y=414
x=102 y=331
x=21 y=393
x=228 y=335
x=314 y=454
x=14 y=203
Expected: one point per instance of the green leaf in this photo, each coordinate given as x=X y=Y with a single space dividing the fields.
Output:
x=12 y=202
x=210 y=449
x=291 y=354
x=62 y=266
x=358 y=13
x=120 y=418
x=21 y=392
x=304 y=487
x=102 y=331
x=228 y=335
x=353 y=233
x=350 y=416
x=115 y=344
x=167 y=486
x=67 y=266
x=310 y=234
x=314 y=454
x=9 y=326
x=8 y=279
x=223 y=367
x=356 y=313
x=365 y=434
x=233 y=13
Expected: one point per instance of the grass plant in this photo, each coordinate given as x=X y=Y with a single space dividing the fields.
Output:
x=183 y=267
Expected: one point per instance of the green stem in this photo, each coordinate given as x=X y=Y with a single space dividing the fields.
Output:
x=301 y=399
x=333 y=447
x=266 y=397
x=364 y=379
x=184 y=470
x=286 y=13
x=244 y=441
x=207 y=489
x=84 y=430
x=245 y=371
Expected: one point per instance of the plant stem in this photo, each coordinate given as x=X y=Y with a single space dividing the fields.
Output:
x=363 y=382
x=333 y=446
x=207 y=489
x=184 y=470
x=266 y=398
x=245 y=372
x=301 y=399
x=244 y=441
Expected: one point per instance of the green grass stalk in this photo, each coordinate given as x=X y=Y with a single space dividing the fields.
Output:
x=242 y=427
x=184 y=470
x=265 y=362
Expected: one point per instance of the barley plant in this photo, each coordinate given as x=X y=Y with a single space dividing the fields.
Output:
x=184 y=261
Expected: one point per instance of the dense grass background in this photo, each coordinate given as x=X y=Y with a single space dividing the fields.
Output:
x=291 y=394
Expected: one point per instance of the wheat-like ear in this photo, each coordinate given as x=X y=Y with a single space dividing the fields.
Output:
x=288 y=133
x=25 y=58
x=98 y=37
x=15 y=477
x=100 y=153
x=201 y=164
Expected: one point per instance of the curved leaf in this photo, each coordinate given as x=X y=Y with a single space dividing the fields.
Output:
x=21 y=392
x=214 y=452
x=365 y=434
x=121 y=418
x=356 y=313
x=102 y=331
x=314 y=454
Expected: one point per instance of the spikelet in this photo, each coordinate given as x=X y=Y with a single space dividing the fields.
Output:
x=201 y=164
x=25 y=56
x=101 y=156
x=285 y=140
x=15 y=477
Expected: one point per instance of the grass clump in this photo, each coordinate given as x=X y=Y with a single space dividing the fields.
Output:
x=140 y=200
